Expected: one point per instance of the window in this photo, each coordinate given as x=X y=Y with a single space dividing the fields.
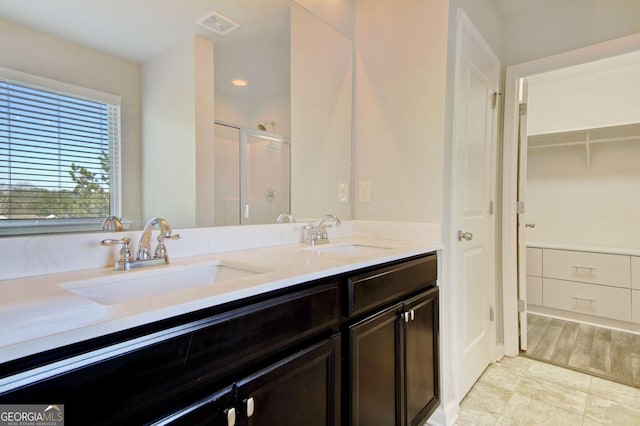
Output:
x=59 y=157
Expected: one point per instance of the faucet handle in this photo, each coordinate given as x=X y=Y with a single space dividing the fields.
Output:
x=161 y=248
x=124 y=254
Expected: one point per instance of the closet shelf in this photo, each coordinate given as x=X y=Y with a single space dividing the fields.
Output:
x=585 y=137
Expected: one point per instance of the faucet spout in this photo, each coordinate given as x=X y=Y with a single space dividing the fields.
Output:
x=144 y=247
x=320 y=225
x=112 y=223
x=285 y=217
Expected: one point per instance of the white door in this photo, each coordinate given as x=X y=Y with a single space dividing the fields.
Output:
x=522 y=195
x=475 y=131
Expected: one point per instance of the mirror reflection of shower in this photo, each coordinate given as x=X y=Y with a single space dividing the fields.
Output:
x=252 y=175
x=263 y=127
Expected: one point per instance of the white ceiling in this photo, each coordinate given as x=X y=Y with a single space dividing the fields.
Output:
x=515 y=8
x=138 y=30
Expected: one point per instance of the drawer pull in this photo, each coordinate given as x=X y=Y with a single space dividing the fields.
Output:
x=231 y=417
x=406 y=316
x=584 y=298
x=250 y=407
x=413 y=315
x=578 y=268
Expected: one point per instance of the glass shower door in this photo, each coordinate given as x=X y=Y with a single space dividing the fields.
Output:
x=265 y=181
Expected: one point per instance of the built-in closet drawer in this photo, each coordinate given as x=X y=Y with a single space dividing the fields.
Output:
x=596 y=268
x=534 y=290
x=635 y=274
x=534 y=261
x=635 y=306
x=592 y=299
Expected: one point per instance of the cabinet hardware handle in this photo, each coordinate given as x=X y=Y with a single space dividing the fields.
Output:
x=413 y=315
x=530 y=225
x=584 y=298
x=231 y=417
x=577 y=268
x=250 y=407
x=406 y=316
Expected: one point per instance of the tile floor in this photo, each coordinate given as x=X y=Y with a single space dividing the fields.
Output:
x=523 y=391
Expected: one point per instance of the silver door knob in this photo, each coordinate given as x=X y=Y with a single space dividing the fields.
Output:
x=530 y=225
x=465 y=236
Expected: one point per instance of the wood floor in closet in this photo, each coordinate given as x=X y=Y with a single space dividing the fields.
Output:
x=605 y=353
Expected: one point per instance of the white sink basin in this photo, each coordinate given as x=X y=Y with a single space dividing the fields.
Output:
x=127 y=286
x=350 y=249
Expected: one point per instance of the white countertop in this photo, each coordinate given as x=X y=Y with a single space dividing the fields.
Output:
x=38 y=314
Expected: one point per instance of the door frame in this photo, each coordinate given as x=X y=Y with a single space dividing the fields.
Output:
x=510 y=165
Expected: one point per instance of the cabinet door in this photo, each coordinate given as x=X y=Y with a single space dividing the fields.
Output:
x=374 y=345
x=303 y=389
x=421 y=357
x=216 y=410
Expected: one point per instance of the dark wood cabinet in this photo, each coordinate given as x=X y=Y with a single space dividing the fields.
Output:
x=148 y=377
x=421 y=357
x=302 y=389
x=393 y=349
x=374 y=361
x=358 y=349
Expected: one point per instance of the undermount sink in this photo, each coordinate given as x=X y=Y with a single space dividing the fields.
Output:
x=350 y=249
x=127 y=286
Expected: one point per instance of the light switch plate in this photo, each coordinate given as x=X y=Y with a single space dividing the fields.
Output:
x=343 y=192
x=364 y=192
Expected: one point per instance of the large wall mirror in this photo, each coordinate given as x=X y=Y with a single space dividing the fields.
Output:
x=175 y=78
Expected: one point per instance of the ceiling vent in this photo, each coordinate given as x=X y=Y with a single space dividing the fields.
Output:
x=217 y=23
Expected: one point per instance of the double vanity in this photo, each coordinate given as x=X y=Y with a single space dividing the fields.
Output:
x=331 y=334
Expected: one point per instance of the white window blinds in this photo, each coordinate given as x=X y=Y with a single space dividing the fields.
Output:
x=59 y=155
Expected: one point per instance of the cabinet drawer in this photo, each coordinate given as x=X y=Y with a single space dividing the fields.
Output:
x=592 y=299
x=534 y=290
x=534 y=261
x=596 y=268
x=635 y=273
x=372 y=289
x=635 y=306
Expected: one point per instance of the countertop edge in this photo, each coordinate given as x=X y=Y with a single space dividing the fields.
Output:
x=328 y=265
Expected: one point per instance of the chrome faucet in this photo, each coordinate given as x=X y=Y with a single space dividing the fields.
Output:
x=144 y=247
x=317 y=233
x=112 y=223
x=143 y=257
x=285 y=217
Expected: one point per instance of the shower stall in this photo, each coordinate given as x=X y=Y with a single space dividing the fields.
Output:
x=252 y=175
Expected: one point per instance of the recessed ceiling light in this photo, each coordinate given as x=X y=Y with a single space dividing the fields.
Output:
x=239 y=82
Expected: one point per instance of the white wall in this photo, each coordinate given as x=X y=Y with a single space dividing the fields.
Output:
x=321 y=105
x=340 y=14
x=563 y=25
x=250 y=113
x=575 y=205
x=569 y=202
x=32 y=52
x=205 y=131
x=400 y=65
x=174 y=125
x=587 y=100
